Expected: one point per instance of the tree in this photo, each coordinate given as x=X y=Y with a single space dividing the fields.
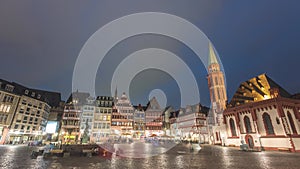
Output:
x=86 y=137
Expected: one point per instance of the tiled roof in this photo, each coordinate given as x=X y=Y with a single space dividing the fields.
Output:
x=256 y=89
x=52 y=98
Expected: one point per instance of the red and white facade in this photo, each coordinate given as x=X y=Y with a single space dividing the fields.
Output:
x=271 y=124
x=153 y=118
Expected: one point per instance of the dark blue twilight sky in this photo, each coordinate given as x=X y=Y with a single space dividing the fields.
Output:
x=40 y=41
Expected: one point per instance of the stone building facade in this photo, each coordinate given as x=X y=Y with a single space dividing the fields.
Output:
x=101 y=128
x=24 y=112
x=262 y=115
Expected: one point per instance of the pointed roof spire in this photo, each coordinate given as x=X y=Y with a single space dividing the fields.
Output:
x=212 y=55
x=116 y=92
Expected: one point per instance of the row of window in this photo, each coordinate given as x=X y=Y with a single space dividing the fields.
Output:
x=32 y=113
x=104 y=104
x=88 y=108
x=76 y=115
x=102 y=118
x=30 y=104
x=99 y=136
x=267 y=124
x=69 y=122
x=126 y=111
x=25 y=120
x=101 y=125
x=87 y=114
x=4 y=108
x=153 y=128
x=117 y=123
x=122 y=117
x=23 y=127
x=8 y=98
x=104 y=111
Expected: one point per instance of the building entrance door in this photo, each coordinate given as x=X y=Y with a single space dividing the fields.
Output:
x=249 y=141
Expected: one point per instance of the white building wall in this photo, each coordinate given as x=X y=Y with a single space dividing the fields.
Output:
x=233 y=142
x=296 y=122
x=228 y=129
x=242 y=123
x=296 y=143
x=276 y=142
x=278 y=128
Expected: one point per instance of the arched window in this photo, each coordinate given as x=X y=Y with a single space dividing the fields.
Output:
x=232 y=127
x=216 y=80
x=292 y=123
x=268 y=124
x=247 y=124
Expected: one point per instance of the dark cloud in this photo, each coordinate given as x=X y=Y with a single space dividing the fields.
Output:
x=40 y=40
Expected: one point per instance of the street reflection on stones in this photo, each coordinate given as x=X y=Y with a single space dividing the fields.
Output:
x=180 y=156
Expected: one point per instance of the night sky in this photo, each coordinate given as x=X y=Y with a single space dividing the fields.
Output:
x=41 y=40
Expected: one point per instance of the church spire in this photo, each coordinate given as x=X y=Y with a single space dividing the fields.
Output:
x=212 y=55
x=216 y=85
x=116 y=92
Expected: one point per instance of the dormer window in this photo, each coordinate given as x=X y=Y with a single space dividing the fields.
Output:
x=9 y=88
x=26 y=92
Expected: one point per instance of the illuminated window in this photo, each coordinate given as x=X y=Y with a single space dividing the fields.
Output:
x=1 y=107
x=5 y=108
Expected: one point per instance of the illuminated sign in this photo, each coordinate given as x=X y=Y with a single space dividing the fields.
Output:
x=51 y=127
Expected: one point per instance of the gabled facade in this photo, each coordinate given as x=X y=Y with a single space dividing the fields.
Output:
x=139 y=121
x=70 y=130
x=122 y=117
x=154 y=118
x=192 y=123
x=262 y=115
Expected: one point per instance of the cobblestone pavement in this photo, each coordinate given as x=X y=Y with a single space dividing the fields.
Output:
x=178 y=157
